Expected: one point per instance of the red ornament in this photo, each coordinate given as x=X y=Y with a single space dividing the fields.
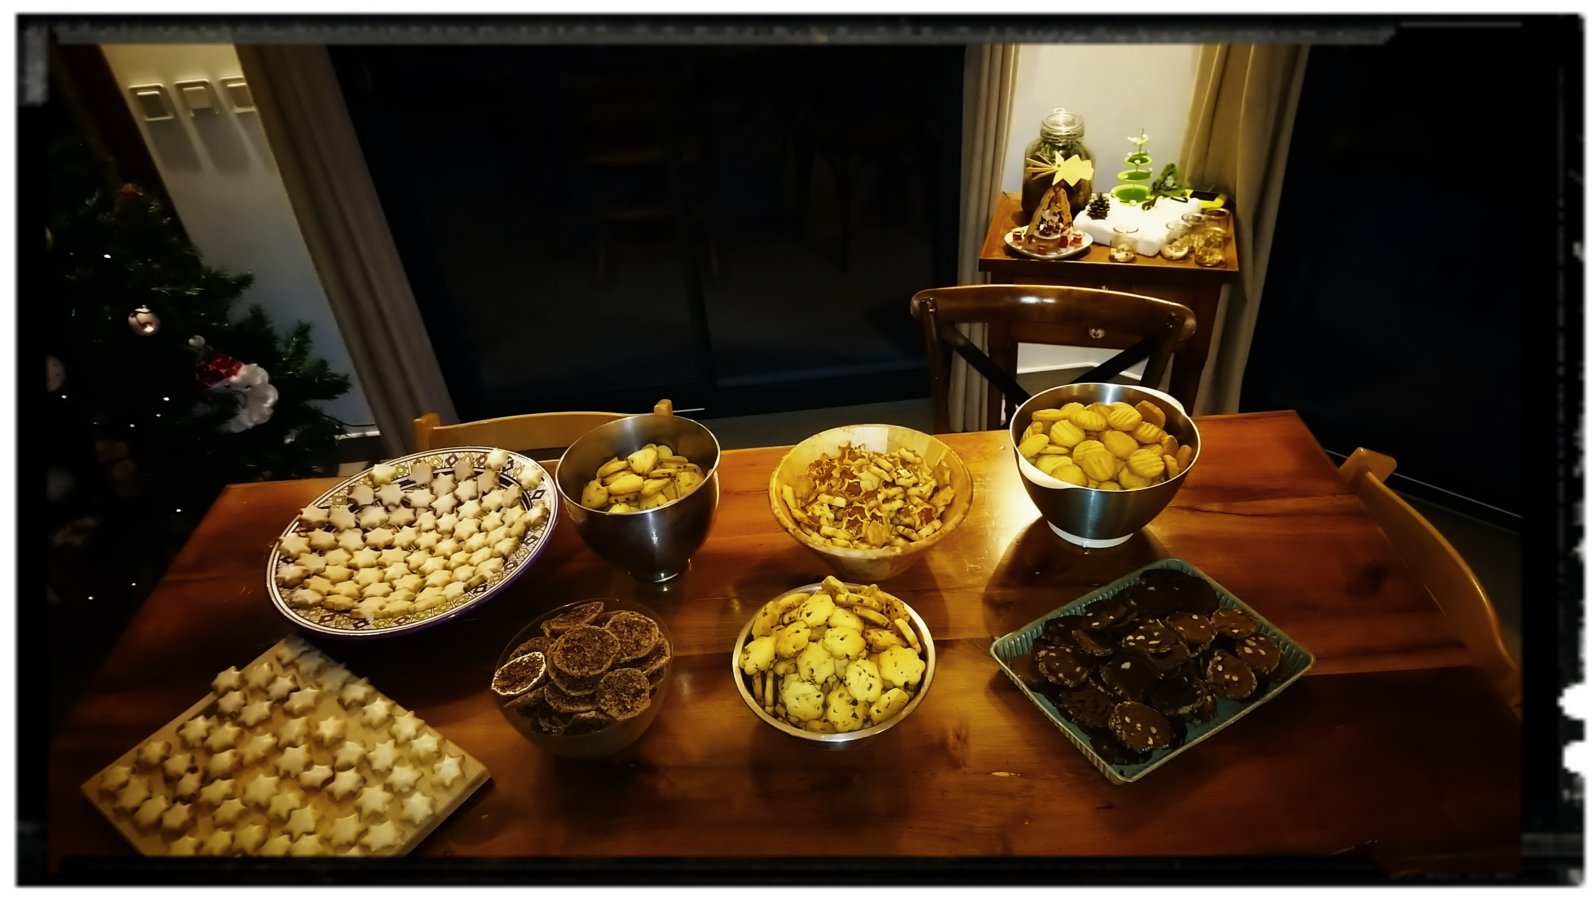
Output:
x=127 y=196
x=216 y=370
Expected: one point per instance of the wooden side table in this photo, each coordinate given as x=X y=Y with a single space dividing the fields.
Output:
x=1183 y=282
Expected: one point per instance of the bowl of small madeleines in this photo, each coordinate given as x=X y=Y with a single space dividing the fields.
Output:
x=642 y=492
x=1100 y=461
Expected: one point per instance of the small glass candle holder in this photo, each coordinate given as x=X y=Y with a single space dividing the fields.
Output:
x=1125 y=238
x=1176 y=240
x=1210 y=238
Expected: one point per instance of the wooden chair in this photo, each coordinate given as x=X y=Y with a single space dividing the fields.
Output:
x=533 y=431
x=1045 y=314
x=1443 y=571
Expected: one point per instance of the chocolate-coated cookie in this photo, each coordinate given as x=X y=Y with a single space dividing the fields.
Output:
x=1194 y=629
x=1059 y=632
x=1260 y=652
x=1179 y=696
x=1229 y=677
x=1233 y=623
x=1093 y=644
x=1140 y=727
x=1087 y=706
x=1191 y=593
x=1107 y=746
x=1128 y=674
x=1062 y=667
x=1024 y=666
x=1152 y=636
x=1152 y=599
x=1172 y=661
x=1105 y=614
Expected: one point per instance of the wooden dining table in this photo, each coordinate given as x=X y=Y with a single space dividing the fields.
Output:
x=1392 y=751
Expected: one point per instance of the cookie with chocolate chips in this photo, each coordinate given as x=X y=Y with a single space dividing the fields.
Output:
x=1233 y=623
x=1061 y=667
x=1104 y=614
x=1152 y=636
x=1229 y=677
x=1260 y=652
x=1059 y=632
x=1093 y=644
x=1194 y=629
x=1087 y=705
x=1178 y=696
x=1140 y=727
x=1128 y=674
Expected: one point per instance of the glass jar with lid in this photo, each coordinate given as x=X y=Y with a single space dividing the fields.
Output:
x=1062 y=137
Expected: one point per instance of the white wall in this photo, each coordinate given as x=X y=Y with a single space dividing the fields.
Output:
x=1120 y=89
x=224 y=185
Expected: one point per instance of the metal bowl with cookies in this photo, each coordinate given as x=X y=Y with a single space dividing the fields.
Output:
x=834 y=663
x=870 y=499
x=586 y=679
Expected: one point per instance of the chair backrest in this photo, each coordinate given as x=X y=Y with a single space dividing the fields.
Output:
x=1045 y=314
x=1444 y=573
x=533 y=431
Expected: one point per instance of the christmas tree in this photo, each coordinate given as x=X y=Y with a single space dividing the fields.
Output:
x=160 y=391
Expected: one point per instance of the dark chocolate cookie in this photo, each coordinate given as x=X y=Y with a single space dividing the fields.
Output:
x=1178 y=696
x=1062 y=667
x=1152 y=636
x=1024 y=666
x=1205 y=712
x=1260 y=652
x=1140 y=727
x=1087 y=705
x=1172 y=661
x=1128 y=674
x=1191 y=594
x=1229 y=677
x=1233 y=623
x=1107 y=746
x=1153 y=600
x=583 y=651
x=1059 y=632
x=1194 y=629
x=1105 y=614
x=1094 y=644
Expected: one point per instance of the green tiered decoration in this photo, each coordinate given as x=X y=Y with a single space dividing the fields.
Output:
x=1133 y=184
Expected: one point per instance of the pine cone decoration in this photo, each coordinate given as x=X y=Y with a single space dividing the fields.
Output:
x=1098 y=207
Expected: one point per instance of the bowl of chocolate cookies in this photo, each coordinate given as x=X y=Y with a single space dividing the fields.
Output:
x=585 y=679
x=1139 y=671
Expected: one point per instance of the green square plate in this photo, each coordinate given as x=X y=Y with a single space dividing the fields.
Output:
x=1294 y=661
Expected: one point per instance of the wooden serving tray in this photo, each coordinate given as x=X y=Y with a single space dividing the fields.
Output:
x=154 y=841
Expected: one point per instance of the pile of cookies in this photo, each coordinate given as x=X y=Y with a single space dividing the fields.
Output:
x=645 y=479
x=1134 y=669
x=592 y=667
x=834 y=660
x=410 y=540
x=1104 y=446
x=861 y=499
x=290 y=756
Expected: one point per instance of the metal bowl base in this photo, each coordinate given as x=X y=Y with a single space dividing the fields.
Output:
x=1088 y=543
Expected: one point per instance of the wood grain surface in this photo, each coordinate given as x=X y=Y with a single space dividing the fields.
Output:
x=1393 y=746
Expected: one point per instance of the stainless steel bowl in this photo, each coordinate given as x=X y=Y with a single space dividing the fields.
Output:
x=1093 y=518
x=851 y=738
x=653 y=545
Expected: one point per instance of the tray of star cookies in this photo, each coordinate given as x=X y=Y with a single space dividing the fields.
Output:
x=1139 y=671
x=290 y=756
x=412 y=542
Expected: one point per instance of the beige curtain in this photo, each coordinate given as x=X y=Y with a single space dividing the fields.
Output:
x=990 y=71
x=1242 y=113
x=303 y=114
